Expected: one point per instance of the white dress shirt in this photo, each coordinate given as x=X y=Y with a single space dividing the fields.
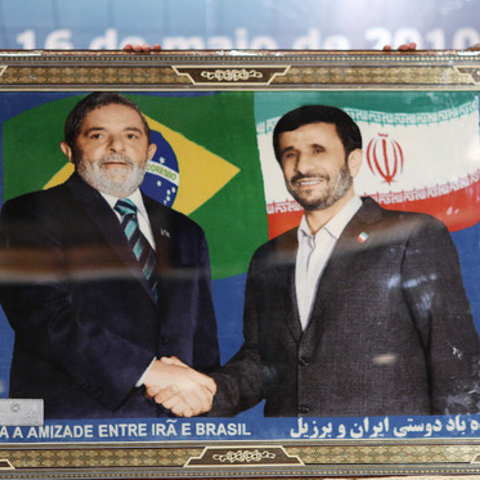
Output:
x=313 y=254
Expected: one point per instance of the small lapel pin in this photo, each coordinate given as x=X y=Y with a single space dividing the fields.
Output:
x=164 y=233
x=363 y=237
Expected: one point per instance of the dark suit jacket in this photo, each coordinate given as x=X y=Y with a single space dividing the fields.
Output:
x=86 y=323
x=391 y=331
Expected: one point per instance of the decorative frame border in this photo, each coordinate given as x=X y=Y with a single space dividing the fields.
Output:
x=226 y=70
x=229 y=71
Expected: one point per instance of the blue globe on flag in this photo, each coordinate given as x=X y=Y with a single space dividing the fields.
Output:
x=163 y=177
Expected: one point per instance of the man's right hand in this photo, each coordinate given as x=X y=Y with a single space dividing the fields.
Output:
x=405 y=47
x=179 y=388
x=142 y=48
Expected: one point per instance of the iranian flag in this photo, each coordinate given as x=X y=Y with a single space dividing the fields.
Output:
x=421 y=153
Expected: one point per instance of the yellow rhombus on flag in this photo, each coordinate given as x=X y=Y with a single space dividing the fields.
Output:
x=202 y=173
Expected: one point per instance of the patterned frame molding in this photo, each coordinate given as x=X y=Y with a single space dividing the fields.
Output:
x=216 y=75
x=80 y=70
x=245 y=456
x=132 y=461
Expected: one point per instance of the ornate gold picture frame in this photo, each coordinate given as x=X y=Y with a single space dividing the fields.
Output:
x=215 y=112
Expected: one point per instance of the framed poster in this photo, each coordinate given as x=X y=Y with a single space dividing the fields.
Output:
x=373 y=405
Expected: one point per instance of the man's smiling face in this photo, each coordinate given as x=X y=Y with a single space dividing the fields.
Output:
x=111 y=150
x=314 y=165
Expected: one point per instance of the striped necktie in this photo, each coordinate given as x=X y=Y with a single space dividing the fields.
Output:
x=142 y=250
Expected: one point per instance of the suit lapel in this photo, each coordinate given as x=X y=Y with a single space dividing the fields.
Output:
x=292 y=315
x=341 y=264
x=107 y=223
x=285 y=251
x=162 y=233
x=165 y=246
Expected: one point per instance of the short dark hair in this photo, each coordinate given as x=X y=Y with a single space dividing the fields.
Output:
x=347 y=129
x=91 y=102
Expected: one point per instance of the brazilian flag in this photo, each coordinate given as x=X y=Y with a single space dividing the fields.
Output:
x=206 y=164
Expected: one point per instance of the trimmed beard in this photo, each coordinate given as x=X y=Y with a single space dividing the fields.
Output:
x=334 y=190
x=91 y=171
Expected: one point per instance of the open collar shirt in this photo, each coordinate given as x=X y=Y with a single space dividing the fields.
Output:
x=313 y=254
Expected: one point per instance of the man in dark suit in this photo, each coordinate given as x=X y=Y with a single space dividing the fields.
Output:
x=358 y=312
x=100 y=283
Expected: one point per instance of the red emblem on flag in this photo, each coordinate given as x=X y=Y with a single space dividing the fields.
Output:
x=385 y=157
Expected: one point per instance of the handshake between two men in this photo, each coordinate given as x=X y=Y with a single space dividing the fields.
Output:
x=179 y=388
